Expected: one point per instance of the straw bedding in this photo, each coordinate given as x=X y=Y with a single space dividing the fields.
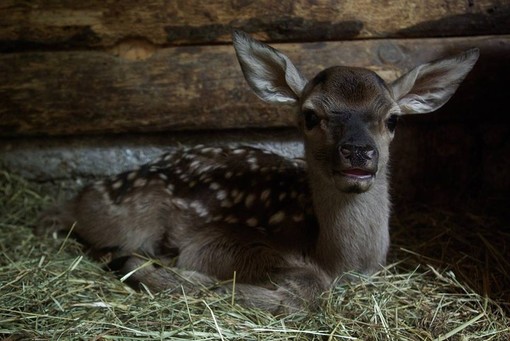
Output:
x=448 y=279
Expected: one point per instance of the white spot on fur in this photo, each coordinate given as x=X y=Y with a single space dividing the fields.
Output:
x=199 y=208
x=239 y=197
x=228 y=175
x=298 y=217
x=265 y=194
x=180 y=203
x=250 y=199
x=261 y=229
x=239 y=151
x=205 y=169
x=204 y=176
x=132 y=175
x=214 y=186
x=277 y=218
x=221 y=195
x=140 y=182
x=163 y=176
x=231 y=219
x=226 y=203
x=194 y=165
x=117 y=184
x=207 y=150
x=189 y=156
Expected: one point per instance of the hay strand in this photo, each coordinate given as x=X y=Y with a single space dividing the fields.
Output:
x=50 y=289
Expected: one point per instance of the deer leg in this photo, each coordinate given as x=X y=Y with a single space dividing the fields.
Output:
x=193 y=283
x=287 y=290
x=301 y=286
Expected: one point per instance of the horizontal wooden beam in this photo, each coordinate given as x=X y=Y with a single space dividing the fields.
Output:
x=46 y=24
x=201 y=87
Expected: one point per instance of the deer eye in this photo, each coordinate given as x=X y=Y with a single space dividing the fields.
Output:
x=311 y=119
x=391 y=123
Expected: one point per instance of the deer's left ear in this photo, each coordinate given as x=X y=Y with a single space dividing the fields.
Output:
x=429 y=86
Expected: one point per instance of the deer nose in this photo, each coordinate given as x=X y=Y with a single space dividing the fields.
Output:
x=349 y=151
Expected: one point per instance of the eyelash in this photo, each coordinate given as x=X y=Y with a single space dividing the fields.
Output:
x=391 y=123
x=311 y=119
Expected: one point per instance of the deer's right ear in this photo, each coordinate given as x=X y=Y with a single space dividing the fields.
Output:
x=269 y=72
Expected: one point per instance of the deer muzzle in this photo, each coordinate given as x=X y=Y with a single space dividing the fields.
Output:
x=356 y=167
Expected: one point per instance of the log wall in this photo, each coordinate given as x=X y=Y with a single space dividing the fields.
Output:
x=74 y=73
x=202 y=87
x=46 y=24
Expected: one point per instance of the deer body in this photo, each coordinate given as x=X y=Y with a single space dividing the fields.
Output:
x=287 y=227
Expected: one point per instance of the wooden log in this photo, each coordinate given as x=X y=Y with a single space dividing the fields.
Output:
x=45 y=24
x=201 y=87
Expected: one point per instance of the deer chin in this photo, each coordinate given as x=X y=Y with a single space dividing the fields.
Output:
x=353 y=180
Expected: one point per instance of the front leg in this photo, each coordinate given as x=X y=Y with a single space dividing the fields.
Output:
x=286 y=290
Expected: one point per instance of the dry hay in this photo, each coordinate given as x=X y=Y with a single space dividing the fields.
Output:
x=50 y=290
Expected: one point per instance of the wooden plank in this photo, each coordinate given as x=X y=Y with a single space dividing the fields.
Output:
x=202 y=87
x=47 y=24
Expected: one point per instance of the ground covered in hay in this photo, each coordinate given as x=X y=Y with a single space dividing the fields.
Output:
x=449 y=280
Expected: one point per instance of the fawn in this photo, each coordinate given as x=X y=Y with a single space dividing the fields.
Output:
x=287 y=227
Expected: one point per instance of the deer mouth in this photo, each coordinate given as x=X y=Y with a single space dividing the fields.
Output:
x=357 y=173
x=353 y=180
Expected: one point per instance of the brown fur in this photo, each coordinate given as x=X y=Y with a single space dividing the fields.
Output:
x=287 y=228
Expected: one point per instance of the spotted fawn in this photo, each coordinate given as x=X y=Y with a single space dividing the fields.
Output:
x=288 y=228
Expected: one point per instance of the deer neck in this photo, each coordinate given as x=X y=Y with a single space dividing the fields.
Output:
x=353 y=228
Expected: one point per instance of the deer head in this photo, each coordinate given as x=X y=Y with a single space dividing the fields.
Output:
x=348 y=115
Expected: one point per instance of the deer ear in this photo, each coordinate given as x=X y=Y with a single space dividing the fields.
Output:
x=269 y=72
x=429 y=86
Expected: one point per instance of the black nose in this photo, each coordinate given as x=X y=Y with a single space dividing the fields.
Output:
x=351 y=151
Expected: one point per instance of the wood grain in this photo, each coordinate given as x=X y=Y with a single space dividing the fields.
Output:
x=201 y=87
x=46 y=24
